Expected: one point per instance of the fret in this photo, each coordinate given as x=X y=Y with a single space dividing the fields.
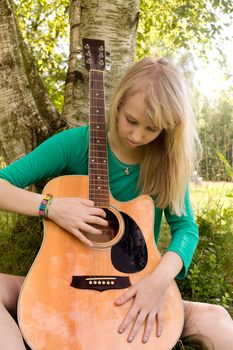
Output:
x=97 y=171
x=94 y=97
x=99 y=184
x=98 y=178
x=98 y=193
x=99 y=154
x=98 y=122
x=100 y=198
x=99 y=137
x=97 y=104
x=97 y=148
x=97 y=165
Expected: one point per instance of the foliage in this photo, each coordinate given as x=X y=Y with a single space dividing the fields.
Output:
x=44 y=26
x=166 y=26
x=229 y=169
x=19 y=242
x=210 y=275
x=215 y=125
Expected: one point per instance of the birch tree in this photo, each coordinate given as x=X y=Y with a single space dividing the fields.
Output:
x=115 y=22
x=26 y=113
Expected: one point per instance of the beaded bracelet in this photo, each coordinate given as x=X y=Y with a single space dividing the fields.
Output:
x=44 y=206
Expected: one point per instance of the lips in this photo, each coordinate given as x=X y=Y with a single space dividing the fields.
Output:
x=132 y=143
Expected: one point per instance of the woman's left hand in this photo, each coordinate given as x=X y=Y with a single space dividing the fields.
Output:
x=147 y=306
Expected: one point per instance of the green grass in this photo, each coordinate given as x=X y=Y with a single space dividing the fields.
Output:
x=211 y=194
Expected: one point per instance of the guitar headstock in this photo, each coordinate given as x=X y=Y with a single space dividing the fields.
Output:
x=94 y=54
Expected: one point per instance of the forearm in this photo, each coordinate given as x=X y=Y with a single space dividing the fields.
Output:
x=168 y=268
x=17 y=200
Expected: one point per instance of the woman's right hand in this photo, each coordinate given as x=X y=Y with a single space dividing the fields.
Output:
x=76 y=215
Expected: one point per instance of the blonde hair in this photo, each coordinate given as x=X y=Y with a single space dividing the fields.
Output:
x=167 y=161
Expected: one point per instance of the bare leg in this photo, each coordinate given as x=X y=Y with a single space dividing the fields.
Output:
x=10 y=336
x=209 y=323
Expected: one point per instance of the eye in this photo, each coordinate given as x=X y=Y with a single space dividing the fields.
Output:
x=131 y=121
x=152 y=129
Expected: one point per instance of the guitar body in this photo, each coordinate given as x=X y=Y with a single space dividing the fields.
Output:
x=67 y=300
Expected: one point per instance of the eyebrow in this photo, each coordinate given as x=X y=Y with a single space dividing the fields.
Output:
x=148 y=126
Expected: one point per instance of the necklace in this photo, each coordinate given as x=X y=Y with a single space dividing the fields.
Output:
x=126 y=168
x=127 y=171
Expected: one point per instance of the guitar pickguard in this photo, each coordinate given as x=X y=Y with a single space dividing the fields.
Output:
x=130 y=254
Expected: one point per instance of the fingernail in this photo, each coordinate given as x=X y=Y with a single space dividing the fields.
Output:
x=121 y=330
x=130 y=339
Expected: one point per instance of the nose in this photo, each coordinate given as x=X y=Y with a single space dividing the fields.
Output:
x=137 y=135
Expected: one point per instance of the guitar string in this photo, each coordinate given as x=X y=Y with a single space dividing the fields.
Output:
x=97 y=104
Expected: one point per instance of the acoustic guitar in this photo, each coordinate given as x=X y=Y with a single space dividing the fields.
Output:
x=67 y=299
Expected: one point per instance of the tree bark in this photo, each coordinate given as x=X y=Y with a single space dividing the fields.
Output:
x=115 y=22
x=26 y=114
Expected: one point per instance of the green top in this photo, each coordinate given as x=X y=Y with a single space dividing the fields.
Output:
x=67 y=153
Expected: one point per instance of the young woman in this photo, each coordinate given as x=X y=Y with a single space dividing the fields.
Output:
x=151 y=147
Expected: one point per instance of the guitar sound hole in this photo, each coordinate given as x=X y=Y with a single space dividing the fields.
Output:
x=109 y=232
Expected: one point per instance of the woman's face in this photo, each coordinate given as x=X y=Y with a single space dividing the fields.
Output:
x=135 y=129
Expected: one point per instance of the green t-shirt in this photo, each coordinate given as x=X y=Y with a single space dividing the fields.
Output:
x=67 y=154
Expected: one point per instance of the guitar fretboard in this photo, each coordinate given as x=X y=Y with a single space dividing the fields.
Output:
x=98 y=162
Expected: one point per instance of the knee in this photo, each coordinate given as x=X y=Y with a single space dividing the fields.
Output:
x=214 y=313
x=9 y=290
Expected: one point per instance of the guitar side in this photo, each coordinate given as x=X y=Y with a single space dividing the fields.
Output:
x=55 y=315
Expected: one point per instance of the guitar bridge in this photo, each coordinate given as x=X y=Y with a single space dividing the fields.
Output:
x=100 y=283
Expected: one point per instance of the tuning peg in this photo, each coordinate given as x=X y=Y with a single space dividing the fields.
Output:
x=79 y=54
x=108 y=67
x=107 y=53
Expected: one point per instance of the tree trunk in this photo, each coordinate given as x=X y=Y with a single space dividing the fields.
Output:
x=116 y=23
x=26 y=114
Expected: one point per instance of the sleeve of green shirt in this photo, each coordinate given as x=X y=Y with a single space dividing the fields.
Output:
x=54 y=157
x=184 y=232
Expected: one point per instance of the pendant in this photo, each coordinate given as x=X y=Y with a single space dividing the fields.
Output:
x=127 y=171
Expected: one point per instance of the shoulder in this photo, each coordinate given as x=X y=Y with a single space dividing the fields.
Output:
x=72 y=134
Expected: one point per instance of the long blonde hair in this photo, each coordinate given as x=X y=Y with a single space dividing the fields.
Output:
x=167 y=161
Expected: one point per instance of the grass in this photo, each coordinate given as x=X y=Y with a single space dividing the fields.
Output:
x=210 y=277
x=211 y=194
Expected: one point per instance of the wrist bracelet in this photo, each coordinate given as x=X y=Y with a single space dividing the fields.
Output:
x=44 y=206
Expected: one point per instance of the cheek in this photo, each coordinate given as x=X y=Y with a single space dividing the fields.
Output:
x=153 y=137
x=122 y=125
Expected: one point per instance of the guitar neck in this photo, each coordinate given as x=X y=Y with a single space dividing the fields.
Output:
x=98 y=161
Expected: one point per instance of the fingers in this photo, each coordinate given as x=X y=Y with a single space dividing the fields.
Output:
x=93 y=210
x=160 y=323
x=126 y=296
x=150 y=325
x=82 y=238
x=87 y=202
x=138 y=314
x=96 y=220
x=137 y=319
x=97 y=212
